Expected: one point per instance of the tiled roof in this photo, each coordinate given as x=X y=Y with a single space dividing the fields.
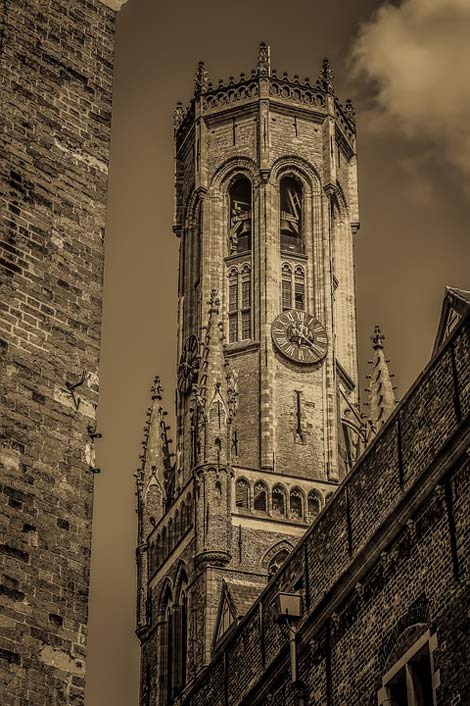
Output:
x=243 y=595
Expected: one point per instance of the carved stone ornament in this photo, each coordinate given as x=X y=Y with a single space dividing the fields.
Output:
x=178 y=116
x=201 y=80
x=264 y=62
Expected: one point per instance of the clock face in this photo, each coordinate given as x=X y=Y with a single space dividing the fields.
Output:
x=299 y=336
x=189 y=364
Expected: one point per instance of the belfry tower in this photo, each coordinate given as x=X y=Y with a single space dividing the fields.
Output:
x=267 y=392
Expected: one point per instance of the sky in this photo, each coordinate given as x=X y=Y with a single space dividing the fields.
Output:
x=405 y=67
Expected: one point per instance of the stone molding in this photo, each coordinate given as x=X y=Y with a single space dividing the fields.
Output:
x=114 y=4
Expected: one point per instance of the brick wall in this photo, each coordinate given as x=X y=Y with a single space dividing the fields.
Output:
x=390 y=551
x=56 y=64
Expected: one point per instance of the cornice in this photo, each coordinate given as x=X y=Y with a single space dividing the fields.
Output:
x=114 y=4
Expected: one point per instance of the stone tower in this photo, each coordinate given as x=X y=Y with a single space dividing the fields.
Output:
x=266 y=403
x=57 y=70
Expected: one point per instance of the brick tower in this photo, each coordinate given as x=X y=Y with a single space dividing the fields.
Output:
x=267 y=417
x=56 y=66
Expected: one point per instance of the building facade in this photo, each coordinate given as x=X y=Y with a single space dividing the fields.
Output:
x=267 y=413
x=56 y=65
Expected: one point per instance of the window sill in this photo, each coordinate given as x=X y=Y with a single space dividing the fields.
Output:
x=294 y=255
x=246 y=254
x=238 y=346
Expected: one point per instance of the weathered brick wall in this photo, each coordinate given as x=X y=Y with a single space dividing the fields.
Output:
x=391 y=550
x=56 y=67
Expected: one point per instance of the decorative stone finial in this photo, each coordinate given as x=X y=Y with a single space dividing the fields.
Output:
x=157 y=389
x=201 y=80
x=214 y=302
x=178 y=116
x=327 y=76
x=377 y=339
x=349 y=111
x=381 y=391
x=264 y=59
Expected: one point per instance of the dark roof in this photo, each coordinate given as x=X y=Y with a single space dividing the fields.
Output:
x=243 y=595
x=462 y=295
x=455 y=304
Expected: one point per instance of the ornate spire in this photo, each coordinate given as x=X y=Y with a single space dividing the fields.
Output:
x=215 y=394
x=326 y=77
x=201 y=80
x=381 y=391
x=264 y=59
x=153 y=478
x=178 y=116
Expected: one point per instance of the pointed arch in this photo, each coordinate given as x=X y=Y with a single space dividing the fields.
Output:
x=276 y=555
x=297 y=503
x=180 y=626
x=233 y=166
x=314 y=504
x=242 y=493
x=260 y=497
x=279 y=500
x=302 y=168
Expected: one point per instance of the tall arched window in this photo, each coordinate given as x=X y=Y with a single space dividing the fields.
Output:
x=239 y=304
x=180 y=642
x=164 y=544
x=296 y=504
x=299 y=288
x=167 y=645
x=291 y=214
x=279 y=500
x=286 y=283
x=242 y=494
x=313 y=505
x=260 y=499
x=240 y=216
x=183 y=636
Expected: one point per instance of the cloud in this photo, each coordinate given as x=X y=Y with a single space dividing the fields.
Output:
x=417 y=55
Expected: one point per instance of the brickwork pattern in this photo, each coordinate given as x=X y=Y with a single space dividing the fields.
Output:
x=56 y=64
x=390 y=552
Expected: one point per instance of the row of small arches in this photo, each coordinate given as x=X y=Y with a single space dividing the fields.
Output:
x=277 y=501
x=166 y=540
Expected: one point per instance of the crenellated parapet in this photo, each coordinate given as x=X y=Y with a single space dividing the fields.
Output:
x=265 y=83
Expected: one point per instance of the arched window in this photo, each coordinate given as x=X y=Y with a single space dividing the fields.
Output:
x=286 y=287
x=240 y=216
x=164 y=544
x=184 y=519
x=171 y=536
x=167 y=646
x=279 y=500
x=180 y=642
x=183 y=637
x=177 y=527
x=260 y=499
x=239 y=304
x=291 y=214
x=276 y=561
x=292 y=287
x=296 y=504
x=242 y=494
x=313 y=505
x=189 y=512
x=299 y=288
x=158 y=551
